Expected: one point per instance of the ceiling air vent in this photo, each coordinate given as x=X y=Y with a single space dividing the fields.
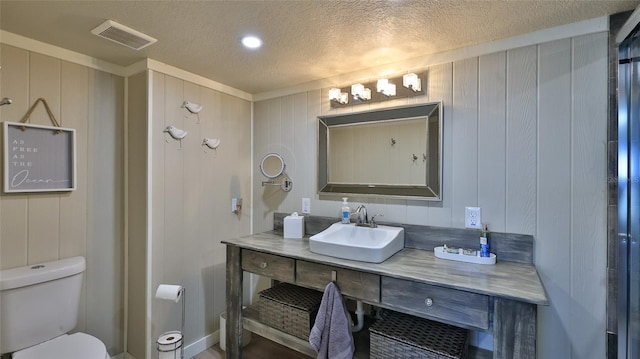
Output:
x=123 y=35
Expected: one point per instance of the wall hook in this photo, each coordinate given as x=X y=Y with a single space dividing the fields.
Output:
x=176 y=133
x=393 y=141
x=192 y=108
x=212 y=143
x=424 y=157
x=414 y=157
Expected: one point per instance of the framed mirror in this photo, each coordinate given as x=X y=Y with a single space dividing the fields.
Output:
x=391 y=152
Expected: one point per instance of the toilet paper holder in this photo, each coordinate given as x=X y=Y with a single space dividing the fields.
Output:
x=173 y=293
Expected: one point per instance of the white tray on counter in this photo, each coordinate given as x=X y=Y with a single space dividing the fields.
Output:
x=440 y=253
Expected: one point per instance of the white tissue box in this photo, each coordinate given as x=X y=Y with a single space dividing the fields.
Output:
x=294 y=226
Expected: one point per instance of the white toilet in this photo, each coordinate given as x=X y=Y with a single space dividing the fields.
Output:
x=39 y=305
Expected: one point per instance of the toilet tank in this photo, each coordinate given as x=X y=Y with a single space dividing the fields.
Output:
x=39 y=302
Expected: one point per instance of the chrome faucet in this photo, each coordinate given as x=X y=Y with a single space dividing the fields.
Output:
x=362 y=219
x=361 y=215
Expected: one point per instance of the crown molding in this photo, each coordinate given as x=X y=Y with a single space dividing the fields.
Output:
x=40 y=47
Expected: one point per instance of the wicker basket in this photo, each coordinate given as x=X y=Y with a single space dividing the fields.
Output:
x=289 y=308
x=399 y=335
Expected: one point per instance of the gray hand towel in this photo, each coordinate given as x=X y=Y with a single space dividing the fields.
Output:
x=331 y=333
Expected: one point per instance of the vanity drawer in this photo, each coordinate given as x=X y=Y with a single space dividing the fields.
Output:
x=361 y=285
x=455 y=306
x=276 y=267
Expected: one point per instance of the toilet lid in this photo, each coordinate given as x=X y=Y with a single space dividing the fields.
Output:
x=74 y=346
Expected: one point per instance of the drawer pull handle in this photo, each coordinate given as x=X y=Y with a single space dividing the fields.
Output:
x=263 y=265
x=428 y=302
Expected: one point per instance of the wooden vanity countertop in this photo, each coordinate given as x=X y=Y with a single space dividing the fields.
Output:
x=517 y=281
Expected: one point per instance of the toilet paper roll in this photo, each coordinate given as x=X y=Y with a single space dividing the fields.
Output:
x=169 y=345
x=169 y=292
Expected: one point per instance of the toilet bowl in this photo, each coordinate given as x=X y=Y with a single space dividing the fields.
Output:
x=74 y=346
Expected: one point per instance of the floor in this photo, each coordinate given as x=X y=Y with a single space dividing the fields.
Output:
x=259 y=348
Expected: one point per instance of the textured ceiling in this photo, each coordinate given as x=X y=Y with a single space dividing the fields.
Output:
x=303 y=40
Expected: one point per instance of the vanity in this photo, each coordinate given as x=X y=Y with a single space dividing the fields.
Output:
x=501 y=299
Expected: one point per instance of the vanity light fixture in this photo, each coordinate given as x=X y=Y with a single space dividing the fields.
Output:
x=386 y=88
x=412 y=82
x=336 y=94
x=359 y=92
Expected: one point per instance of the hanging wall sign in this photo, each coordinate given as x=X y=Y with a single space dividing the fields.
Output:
x=39 y=158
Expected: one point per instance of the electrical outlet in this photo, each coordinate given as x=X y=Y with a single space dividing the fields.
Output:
x=472 y=217
x=306 y=205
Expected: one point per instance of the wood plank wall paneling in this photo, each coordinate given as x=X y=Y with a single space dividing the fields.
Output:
x=464 y=144
x=39 y=227
x=137 y=215
x=73 y=209
x=524 y=138
x=492 y=139
x=191 y=189
x=191 y=235
x=44 y=209
x=554 y=202
x=15 y=218
x=105 y=223
x=156 y=249
x=440 y=82
x=74 y=114
x=521 y=140
x=210 y=255
x=588 y=194
x=287 y=106
x=300 y=123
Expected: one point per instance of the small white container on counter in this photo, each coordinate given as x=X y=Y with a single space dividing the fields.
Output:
x=294 y=226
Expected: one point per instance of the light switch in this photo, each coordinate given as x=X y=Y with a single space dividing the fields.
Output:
x=306 y=205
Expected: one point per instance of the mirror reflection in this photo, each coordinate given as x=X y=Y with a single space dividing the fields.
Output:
x=389 y=152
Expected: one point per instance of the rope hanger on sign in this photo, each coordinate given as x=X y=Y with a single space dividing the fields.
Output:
x=25 y=119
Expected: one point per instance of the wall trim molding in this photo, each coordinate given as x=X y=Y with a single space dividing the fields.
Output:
x=40 y=47
x=202 y=344
x=196 y=79
x=123 y=356
x=60 y=53
x=190 y=350
x=599 y=24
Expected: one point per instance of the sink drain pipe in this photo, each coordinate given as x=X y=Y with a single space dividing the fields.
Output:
x=360 y=316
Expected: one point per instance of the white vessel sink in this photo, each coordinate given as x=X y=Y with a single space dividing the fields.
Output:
x=364 y=244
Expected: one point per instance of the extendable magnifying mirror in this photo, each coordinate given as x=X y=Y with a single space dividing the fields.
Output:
x=272 y=166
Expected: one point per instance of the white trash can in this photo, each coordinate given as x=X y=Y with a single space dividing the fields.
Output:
x=246 y=335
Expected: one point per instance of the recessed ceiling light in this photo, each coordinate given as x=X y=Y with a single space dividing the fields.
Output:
x=251 y=42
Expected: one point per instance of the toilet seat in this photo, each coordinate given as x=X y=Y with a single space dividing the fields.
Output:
x=74 y=346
